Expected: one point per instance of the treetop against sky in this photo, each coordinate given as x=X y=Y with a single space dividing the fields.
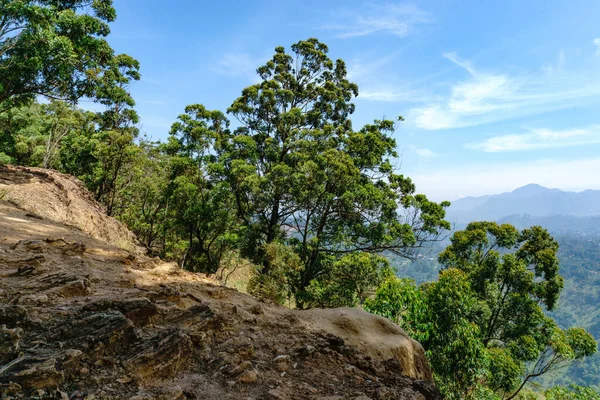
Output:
x=495 y=95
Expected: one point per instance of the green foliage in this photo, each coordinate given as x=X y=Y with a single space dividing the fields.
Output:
x=57 y=49
x=31 y=135
x=302 y=176
x=5 y=159
x=439 y=315
x=275 y=286
x=348 y=281
x=572 y=392
x=482 y=323
x=400 y=301
x=203 y=208
x=455 y=350
x=146 y=207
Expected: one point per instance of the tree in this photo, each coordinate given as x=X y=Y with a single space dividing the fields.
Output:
x=116 y=127
x=515 y=275
x=204 y=208
x=301 y=175
x=54 y=48
x=483 y=321
x=145 y=201
x=348 y=281
x=21 y=133
x=441 y=317
x=572 y=392
x=32 y=134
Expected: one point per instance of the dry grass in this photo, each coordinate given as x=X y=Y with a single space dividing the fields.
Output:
x=4 y=194
x=236 y=272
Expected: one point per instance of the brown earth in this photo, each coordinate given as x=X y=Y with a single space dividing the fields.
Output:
x=84 y=315
x=63 y=198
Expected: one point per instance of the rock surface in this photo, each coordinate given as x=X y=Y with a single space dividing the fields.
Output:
x=85 y=316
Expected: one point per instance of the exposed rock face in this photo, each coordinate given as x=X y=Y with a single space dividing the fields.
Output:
x=81 y=318
x=62 y=198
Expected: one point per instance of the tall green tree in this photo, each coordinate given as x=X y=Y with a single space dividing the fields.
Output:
x=145 y=201
x=33 y=134
x=488 y=308
x=515 y=275
x=303 y=176
x=204 y=207
x=54 y=48
x=440 y=315
x=514 y=272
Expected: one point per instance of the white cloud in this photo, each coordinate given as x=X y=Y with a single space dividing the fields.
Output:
x=393 y=95
x=380 y=95
x=397 y=19
x=556 y=67
x=358 y=69
x=540 y=139
x=477 y=180
x=422 y=151
x=433 y=118
x=236 y=65
x=452 y=56
x=597 y=44
x=490 y=97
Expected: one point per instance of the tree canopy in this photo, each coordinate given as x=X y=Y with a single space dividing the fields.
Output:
x=57 y=49
x=302 y=175
x=483 y=322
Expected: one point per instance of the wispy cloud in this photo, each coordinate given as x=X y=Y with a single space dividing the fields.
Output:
x=372 y=78
x=597 y=44
x=480 y=179
x=237 y=65
x=422 y=151
x=397 y=19
x=393 y=95
x=556 y=67
x=540 y=139
x=359 y=69
x=452 y=56
x=490 y=97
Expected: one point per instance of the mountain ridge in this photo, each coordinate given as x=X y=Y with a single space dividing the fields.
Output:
x=533 y=200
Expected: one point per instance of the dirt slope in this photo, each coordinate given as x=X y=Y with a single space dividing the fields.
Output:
x=62 y=198
x=81 y=318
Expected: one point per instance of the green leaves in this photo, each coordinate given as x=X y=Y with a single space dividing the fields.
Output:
x=581 y=342
x=302 y=176
x=482 y=323
x=57 y=49
x=572 y=392
x=347 y=282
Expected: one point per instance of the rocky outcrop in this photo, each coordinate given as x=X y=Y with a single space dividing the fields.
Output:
x=61 y=198
x=81 y=318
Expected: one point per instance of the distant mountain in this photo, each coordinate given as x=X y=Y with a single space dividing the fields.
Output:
x=558 y=224
x=530 y=200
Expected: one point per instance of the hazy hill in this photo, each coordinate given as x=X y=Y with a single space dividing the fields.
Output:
x=531 y=200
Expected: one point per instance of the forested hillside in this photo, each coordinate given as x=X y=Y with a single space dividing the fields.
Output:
x=579 y=256
x=283 y=185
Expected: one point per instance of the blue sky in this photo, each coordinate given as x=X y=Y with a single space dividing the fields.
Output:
x=496 y=94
